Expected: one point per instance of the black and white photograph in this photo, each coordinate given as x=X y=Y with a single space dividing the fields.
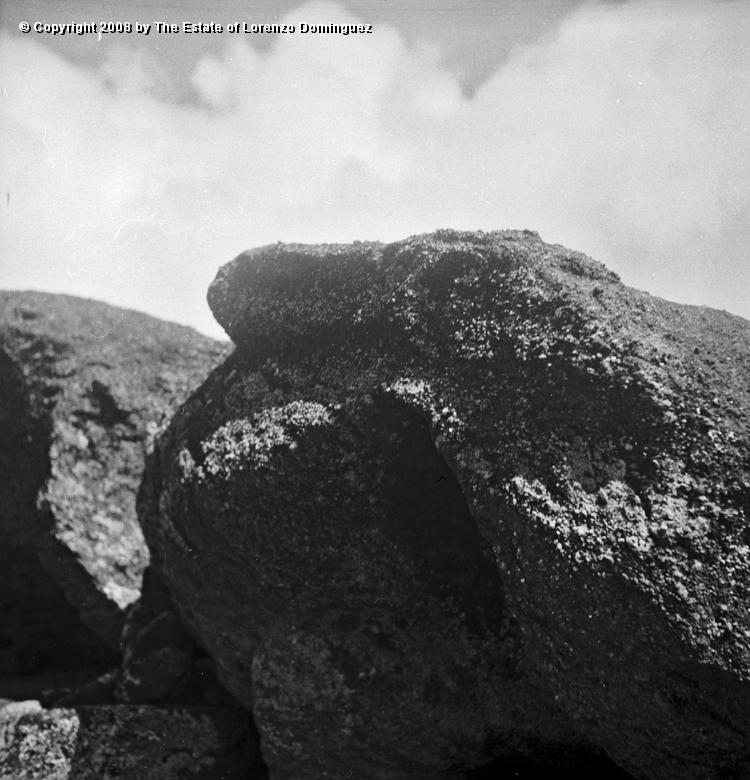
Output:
x=375 y=389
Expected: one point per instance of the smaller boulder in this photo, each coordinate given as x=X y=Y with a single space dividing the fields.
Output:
x=125 y=742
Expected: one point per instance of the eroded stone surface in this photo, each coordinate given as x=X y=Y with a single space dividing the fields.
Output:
x=599 y=439
x=85 y=388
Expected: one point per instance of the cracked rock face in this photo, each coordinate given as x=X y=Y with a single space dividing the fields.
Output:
x=85 y=388
x=462 y=496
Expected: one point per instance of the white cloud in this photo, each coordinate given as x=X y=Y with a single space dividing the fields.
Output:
x=623 y=134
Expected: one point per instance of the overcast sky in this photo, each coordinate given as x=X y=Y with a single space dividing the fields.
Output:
x=132 y=166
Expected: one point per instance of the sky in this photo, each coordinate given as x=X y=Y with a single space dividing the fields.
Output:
x=133 y=165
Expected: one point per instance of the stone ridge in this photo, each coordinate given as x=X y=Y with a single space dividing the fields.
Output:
x=87 y=386
x=599 y=434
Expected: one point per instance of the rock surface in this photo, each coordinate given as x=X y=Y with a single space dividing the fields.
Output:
x=85 y=388
x=315 y=511
x=126 y=743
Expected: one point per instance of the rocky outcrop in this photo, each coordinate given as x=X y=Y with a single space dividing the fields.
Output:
x=85 y=388
x=465 y=496
x=127 y=743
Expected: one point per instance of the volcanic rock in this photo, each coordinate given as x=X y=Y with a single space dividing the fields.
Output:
x=465 y=496
x=127 y=743
x=85 y=388
x=324 y=509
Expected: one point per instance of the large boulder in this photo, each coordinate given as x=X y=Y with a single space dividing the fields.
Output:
x=462 y=496
x=85 y=387
x=347 y=596
x=125 y=743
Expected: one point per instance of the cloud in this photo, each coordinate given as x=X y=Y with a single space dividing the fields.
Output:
x=623 y=133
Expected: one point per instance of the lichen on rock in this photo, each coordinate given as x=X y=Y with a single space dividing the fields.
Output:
x=245 y=443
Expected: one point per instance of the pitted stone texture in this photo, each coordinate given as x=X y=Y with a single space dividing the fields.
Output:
x=599 y=437
x=86 y=387
x=126 y=743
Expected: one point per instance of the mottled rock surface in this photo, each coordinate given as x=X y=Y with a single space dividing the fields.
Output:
x=126 y=743
x=315 y=511
x=85 y=387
